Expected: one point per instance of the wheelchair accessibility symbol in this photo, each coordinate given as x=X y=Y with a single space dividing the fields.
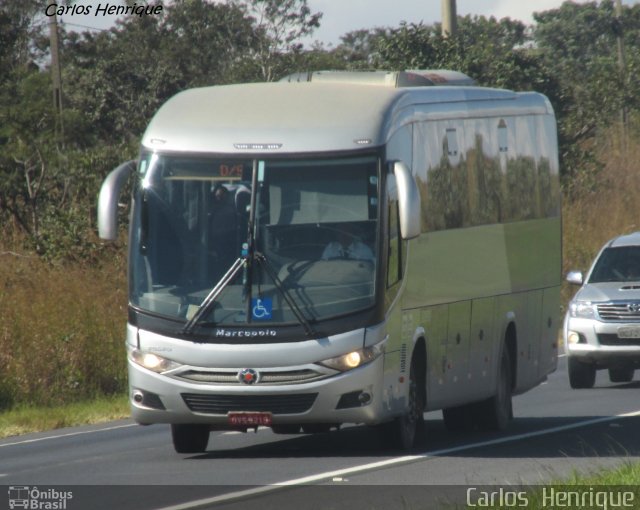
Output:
x=261 y=309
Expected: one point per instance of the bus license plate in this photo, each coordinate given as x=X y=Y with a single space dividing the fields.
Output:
x=630 y=332
x=249 y=419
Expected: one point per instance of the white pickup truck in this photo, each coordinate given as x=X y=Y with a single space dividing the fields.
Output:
x=602 y=324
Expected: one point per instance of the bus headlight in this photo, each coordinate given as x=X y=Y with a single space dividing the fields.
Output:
x=354 y=359
x=152 y=361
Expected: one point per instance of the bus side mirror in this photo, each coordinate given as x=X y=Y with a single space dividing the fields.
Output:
x=108 y=200
x=408 y=201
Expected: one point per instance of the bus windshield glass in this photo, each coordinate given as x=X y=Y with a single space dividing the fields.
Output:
x=311 y=249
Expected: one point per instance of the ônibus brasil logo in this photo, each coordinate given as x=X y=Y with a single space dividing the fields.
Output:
x=32 y=498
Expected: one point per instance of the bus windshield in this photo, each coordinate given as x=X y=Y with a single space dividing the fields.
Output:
x=311 y=249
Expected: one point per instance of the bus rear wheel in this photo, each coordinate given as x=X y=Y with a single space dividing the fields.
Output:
x=190 y=438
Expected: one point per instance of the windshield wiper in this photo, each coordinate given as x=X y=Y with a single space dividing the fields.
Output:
x=260 y=257
x=245 y=263
x=208 y=302
x=237 y=266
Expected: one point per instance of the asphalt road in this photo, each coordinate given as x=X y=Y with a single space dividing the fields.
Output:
x=556 y=431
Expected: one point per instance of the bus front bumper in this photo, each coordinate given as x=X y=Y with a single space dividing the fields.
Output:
x=354 y=396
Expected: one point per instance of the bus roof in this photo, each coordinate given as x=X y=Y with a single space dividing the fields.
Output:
x=296 y=117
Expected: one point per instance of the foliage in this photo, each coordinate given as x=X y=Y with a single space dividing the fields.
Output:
x=579 y=44
x=27 y=151
x=279 y=25
x=24 y=419
x=359 y=48
x=16 y=34
x=61 y=331
x=486 y=49
x=121 y=77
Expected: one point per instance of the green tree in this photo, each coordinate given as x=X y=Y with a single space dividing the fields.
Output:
x=44 y=190
x=25 y=119
x=359 y=49
x=279 y=26
x=579 y=44
x=121 y=77
x=492 y=52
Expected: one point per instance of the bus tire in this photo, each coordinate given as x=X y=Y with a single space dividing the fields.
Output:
x=496 y=412
x=581 y=375
x=408 y=430
x=190 y=438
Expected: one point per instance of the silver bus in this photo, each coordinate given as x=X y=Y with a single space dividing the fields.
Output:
x=340 y=248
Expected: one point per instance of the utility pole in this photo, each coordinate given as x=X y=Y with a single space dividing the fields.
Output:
x=448 y=18
x=622 y=66
x=56 y=78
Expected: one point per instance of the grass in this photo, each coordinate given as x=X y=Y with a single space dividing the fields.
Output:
x=24 y=419
x=608 y=206
x=62 y=331
x=614 y=488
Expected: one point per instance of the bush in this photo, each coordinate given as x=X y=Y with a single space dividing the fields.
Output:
x=62 y=331
x=605 y=207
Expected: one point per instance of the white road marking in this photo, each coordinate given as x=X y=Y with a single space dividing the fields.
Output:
x=390 y=462
x=70 y=434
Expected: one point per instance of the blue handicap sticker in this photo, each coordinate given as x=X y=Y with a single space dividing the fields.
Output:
x=261 y=309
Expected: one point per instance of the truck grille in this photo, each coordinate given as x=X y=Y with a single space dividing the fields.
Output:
x=222 y=404
x=613 y=339
x=626 y=312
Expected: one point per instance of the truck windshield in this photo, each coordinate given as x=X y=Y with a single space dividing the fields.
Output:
x=312 y=250
x=619 y=264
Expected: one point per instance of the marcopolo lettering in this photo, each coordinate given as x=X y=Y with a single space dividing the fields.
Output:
x=245 y=333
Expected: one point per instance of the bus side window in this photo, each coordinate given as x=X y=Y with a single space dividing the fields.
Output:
x=394 y=257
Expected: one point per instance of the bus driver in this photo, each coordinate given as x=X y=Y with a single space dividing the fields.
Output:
x=348 y=246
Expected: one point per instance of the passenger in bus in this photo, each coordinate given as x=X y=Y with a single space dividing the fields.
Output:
x=348 y=246
x=223 y=229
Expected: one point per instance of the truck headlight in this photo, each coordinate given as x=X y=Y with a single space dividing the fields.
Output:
x=152 y=361
x=582 y=309
x=573 y=337
x=355 y=359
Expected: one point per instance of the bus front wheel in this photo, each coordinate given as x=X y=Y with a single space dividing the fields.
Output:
x=408 y=430
x=190 y=438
